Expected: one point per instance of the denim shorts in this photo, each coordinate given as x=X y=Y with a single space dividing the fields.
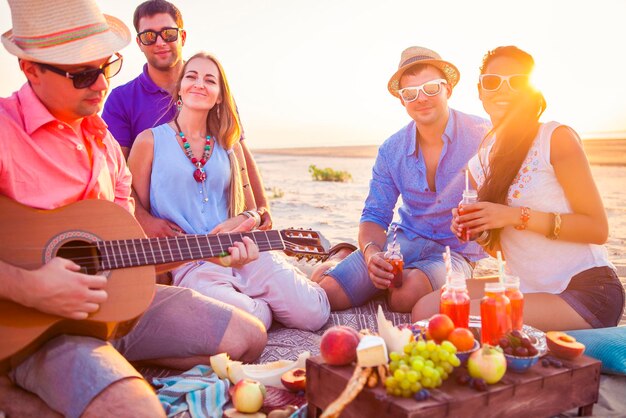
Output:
x=419 y=253
x=597 y=296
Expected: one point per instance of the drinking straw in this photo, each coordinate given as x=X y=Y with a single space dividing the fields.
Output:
x=500 y=267
x=466 y=179
x=448 y=262
x=395 y=234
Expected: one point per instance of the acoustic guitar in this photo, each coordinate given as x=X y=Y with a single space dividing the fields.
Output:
x=103 y=238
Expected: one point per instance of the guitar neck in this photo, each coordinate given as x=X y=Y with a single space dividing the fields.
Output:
x=118 y=254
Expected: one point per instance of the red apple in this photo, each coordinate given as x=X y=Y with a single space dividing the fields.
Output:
x=248 y=396
x=338 y=345
x=294 y=379
x=440 y=326
x=563 y=345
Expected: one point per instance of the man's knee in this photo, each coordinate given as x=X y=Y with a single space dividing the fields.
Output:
x=415 y=286
x=425 y=307
x=337 y=296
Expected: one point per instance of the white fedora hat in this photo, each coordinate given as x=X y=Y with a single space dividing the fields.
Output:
x=63 y=31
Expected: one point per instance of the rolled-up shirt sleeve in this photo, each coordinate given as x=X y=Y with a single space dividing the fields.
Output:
x=383 y=193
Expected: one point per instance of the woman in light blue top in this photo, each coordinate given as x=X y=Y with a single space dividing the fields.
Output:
x=187 y=173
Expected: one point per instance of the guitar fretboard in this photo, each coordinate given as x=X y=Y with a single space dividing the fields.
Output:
x=118 y=254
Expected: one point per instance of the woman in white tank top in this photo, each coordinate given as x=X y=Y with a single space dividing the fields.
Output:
x=539 y=205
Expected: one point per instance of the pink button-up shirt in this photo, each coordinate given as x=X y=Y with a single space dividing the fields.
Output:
x=45 y=164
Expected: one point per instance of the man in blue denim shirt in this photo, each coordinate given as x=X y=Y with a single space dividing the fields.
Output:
x=424 y=162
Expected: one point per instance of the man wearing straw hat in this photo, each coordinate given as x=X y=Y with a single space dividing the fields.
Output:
x=424 y=163
x=55 y=151
x=146 y=101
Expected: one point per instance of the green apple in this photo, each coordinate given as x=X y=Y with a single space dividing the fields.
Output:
x=248 y=396
x=487 y=363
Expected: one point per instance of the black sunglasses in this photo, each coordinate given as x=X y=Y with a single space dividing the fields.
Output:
x=149 y=37
x=84 y=79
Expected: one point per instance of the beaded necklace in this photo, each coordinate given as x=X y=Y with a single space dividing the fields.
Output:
x=199 y=174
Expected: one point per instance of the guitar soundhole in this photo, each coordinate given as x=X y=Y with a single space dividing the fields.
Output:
x=83 y=253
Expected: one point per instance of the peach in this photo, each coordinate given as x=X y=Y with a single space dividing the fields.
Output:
x=563 y=345
x=440 y=326
x=462 y=339
x=294 y=380
x=338 y=345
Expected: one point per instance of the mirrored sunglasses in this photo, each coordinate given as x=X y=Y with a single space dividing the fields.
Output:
x=430 y=88
x=493 y=82
x=149 y=37
x=84 y=79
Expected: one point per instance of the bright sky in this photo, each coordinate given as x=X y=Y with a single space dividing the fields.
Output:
x=314 y=73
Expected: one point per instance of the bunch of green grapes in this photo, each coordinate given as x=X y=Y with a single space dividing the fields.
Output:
x=423 y=364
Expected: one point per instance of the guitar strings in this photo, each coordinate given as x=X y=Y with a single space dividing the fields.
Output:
x=145 y=254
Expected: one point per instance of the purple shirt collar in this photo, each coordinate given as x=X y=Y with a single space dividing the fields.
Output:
x=147 y=83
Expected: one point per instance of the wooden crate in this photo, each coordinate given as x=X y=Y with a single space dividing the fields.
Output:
x=540 y=392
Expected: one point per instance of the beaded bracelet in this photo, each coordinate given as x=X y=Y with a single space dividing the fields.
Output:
x=524 y=217
x=556 y=229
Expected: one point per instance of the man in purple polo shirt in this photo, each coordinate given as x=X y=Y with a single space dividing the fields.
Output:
x=146 y=101
x=424 y=163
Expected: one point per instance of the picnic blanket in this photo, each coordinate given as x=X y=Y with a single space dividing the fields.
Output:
x=198 y=391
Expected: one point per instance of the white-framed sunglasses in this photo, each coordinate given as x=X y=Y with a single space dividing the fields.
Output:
x=493 y=82
x=430 y=88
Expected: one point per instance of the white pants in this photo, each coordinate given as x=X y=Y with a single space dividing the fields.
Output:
x=269 y=286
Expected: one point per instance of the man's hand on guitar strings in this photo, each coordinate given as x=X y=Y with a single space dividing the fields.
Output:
x=58 y=288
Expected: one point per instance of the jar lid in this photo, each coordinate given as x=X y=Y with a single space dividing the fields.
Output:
x=511 y=281
x=494 y=287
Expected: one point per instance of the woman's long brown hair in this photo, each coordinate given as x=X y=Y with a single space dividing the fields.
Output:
x=514 y=136
x=223 y=124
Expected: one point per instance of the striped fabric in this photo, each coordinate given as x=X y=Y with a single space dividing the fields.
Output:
x=55 y=39
x=198 y=391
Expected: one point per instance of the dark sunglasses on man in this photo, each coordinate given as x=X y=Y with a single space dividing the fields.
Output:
x=86 y=78
x=149 y=37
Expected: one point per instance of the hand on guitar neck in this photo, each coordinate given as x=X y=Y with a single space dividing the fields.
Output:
x=240 y=253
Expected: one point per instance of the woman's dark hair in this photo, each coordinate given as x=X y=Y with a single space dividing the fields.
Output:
x=514 y=136
x=154 y=7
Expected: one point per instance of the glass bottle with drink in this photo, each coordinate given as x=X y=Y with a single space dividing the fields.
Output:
x=394 y=257
x=511 y=290
x=455 y=301
x=469 y=197
x=495 y=313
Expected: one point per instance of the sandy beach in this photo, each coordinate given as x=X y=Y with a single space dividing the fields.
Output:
x=335 y=208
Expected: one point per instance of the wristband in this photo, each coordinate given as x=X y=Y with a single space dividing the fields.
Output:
x=556 y=226
x=368 y=245
x=253 y=214
x=524 y=217
x=483 y=238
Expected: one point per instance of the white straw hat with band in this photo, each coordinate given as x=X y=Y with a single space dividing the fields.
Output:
x=63 y=31
x=417 y=55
